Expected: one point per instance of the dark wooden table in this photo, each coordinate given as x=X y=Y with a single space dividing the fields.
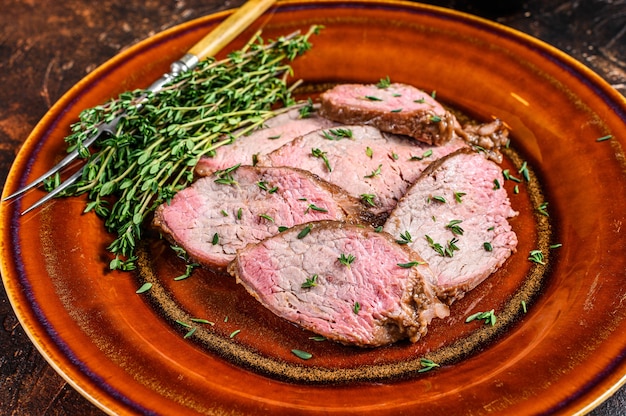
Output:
x=46 y=47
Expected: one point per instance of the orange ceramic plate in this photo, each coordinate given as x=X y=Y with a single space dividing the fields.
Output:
x=565 y=354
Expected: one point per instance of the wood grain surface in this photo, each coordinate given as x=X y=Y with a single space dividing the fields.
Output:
x=46 y=47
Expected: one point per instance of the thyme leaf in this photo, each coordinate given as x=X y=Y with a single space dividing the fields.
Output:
x=302 y=354
x=375 y=172
x=368 y=199
x=346 y=260
x=427 y=365
x=309 y=282
x=322 y=155
x=384 y=83
x=489 y=317
x=454 y=226
x=405 y=238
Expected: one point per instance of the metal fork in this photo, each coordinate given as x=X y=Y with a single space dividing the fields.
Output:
x=212 y=43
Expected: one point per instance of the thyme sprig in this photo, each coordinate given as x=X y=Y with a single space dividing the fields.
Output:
x=161 y=136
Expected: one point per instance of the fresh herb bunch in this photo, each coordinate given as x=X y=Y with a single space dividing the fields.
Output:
x=161 y=136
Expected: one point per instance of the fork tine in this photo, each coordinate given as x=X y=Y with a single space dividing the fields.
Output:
x=63 y=163
x=63 y=186
x=104 y=128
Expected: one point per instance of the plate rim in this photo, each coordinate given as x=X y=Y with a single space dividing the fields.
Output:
x=31 y=145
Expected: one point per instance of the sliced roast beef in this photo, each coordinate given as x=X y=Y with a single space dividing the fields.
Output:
x=345 y=282
x=376 y=167
x=456 y=217
x=276 y=132
x=221 y=213
x=394 y=108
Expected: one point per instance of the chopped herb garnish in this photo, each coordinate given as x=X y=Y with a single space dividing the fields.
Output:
x=202 y=321
x=144 y=288
x=264 y=186
x=375 y=172
x=306 y=230
x=496 y=184
x=424 y=155
x=239 y=213
x=337 y=134
x=524 y=306
x=524 y=171
x=435 y=118
x=368 y=199
x=255 y=159
x=378 y=229
x=516 y=189
x=274 y=137
x=315 y=208
x=536 y=256
x=322 y=155
x=317 y=338
x=433 y=94
x=487 y=246
x=302 y=354
x=453 y=226
x=489 y=317
x=427 y=365
x=216 y=239
x=447 y=251
x=282 y=228
x=435 y=246
x=224 y=213
x=183 y=324
x=307 y=109
x=437 y=198
x=410 y=264
x=225 y=176
x=234 y=333
x=310 y=282
x=372 y=98
x=405 y=238
x=397 y=110
x=346 y=260
x=507 y=176
x=190 y=332
x=384 y=83
x=458 y=196
x=189 y=268
x=395 y=156
x=451 y=247
x=369 y=152
x=542 y=209
x=557 y=245
x=603 y=138
x=356 y=308
x=420 y=101
x=267 y=217
x=491 y=228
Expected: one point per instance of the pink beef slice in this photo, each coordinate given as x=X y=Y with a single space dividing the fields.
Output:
x=397 y=108
x=370 y=302
x=211 y=219
x=276 y=132
x=367 y=163
x=456 y=203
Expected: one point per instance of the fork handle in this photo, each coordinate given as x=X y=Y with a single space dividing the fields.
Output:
x=230 y=28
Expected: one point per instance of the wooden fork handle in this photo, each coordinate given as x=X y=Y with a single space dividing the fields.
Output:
x=226 y=31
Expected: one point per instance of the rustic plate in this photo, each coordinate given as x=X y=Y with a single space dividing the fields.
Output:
x=560 y=340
